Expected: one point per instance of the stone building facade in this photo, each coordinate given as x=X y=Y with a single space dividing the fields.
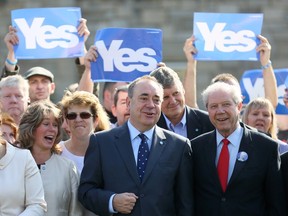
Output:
x=174 y=17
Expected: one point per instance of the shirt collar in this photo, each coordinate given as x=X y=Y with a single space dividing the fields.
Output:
x=134 y=132
x=233 y=138
x=183 y=120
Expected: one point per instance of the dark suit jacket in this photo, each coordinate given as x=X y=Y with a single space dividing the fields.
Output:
x=284 y=169
x=109 y=167
x=255 y=187
x=197 y=122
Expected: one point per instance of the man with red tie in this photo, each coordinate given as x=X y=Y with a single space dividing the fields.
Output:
x=236 y=170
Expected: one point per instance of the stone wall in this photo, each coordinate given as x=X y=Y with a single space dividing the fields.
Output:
x=175 y=18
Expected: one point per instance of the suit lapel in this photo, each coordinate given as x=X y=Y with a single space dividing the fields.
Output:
x=124 y=146
x=162 y=123
x=158 y=144
x=192 y=124
x=245 y=146
x=211 y=149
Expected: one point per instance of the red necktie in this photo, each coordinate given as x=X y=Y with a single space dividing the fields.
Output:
x=223 y=164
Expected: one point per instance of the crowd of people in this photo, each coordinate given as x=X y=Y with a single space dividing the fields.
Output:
x=147 y=149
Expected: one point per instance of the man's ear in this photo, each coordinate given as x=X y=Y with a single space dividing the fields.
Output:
x=113 y=109
x=128 y=103
x=53 y=87
x=240 y=106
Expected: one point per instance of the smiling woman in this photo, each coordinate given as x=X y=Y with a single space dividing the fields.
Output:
x=39 y=131
x=260 y=114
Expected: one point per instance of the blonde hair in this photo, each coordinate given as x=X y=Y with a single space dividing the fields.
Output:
x=259 y=103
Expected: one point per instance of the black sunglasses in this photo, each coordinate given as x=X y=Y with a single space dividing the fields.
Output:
x=83 y=115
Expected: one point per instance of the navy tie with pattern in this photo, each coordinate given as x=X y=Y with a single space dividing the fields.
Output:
x=143 y=154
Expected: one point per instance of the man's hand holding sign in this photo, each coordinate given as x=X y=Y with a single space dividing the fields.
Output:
x=49 y=33
x=227 y=36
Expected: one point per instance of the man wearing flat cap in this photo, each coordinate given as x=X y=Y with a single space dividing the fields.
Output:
x=41 y=83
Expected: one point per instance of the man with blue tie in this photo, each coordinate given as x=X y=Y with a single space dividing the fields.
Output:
x=138 y=168
x=236 y=170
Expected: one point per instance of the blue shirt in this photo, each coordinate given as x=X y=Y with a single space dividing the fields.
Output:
x=179 y=128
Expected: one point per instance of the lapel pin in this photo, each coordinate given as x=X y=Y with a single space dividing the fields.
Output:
x=242 y=156
x=161 y=142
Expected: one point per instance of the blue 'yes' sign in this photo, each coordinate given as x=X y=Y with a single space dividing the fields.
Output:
x=252 y=86
x=47 y=33
x=125 y=54
x=227 y=36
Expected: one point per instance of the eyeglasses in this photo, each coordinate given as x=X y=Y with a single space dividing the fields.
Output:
x=83 y=115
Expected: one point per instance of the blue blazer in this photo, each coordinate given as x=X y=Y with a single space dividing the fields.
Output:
x=109 y=168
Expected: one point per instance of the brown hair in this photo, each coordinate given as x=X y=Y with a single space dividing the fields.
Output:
x=86 y=99
x=9 y=121
x=2 y=140
x=32 y=118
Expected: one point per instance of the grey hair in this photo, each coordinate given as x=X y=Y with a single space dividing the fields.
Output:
x=167 y=77
x=15 y=81
x=233 y=90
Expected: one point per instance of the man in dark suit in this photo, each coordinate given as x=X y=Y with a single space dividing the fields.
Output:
x=112 y=182
x=176 y=115
x=236 y=170
x=284 y=169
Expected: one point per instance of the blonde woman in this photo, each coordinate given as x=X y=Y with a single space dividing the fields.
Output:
x=260 y=114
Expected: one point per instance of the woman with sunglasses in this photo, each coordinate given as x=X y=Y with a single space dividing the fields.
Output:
x=83 y=114
x=39 y=131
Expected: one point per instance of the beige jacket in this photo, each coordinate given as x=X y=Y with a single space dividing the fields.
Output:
x=60 y=180
x=21 y=190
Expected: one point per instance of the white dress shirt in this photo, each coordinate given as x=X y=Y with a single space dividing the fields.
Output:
x=233 y=147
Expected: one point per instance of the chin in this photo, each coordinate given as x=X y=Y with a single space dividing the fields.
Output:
x=261 y=129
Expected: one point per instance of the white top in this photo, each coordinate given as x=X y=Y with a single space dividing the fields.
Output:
x=78 y=160
x=21 y=190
